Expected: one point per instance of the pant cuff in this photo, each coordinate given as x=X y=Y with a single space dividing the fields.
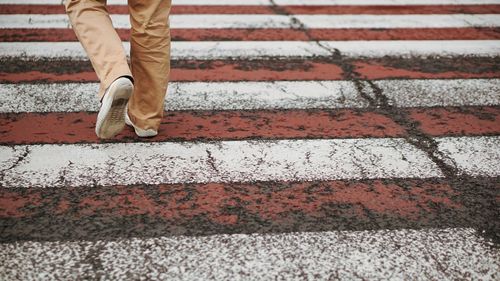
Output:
x=117 y=72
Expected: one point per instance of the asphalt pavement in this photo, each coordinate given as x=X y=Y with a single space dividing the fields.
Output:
x=302 y=140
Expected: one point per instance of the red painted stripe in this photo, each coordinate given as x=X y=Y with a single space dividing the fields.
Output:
x=406 y=34
x=64 y=35
x=110 y=212
x=271 y=70
x=434 y=68
x=28 y=128
x=458 y=121
x=116 y=9
x=186 y=9
x=223 y=9
x=395 y=10
x=269 y=202
x=6 y=9
x=46 y=34
x=220 y=70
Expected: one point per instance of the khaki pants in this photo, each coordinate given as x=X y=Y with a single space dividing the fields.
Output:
x=149 y=53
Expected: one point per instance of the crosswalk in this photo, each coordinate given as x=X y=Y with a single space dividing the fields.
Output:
x=302 y=140
x=309 y=256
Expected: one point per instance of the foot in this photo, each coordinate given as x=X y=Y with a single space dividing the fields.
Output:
x=138 y=131
x=110 y=119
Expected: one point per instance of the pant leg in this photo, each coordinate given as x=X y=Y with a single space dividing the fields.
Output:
x=92 y=25
x=150 y=60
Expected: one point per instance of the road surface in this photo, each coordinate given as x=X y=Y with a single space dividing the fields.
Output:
x=302 y=140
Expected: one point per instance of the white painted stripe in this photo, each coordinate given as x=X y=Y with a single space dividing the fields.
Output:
x=208 y=50
x=399 y=21
x=274 y=21
x=222 y=161
x=281 y=2
x=454 y=92
x=72 y=97
x=41 y=21
x=180 y=50
x=174 y=2
x=176 y=21
x=408 y=48
x=430 y=254
x=213 y=2
x=475 y=156
x=383 y=2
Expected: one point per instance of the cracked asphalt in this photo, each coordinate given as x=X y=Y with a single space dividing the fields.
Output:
x=291 y=160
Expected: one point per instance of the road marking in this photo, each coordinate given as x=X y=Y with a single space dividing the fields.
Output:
x=282 y=2
x=415 y=48
x=32 y=128
x=124 y=2
x=221 y=161
x=474 y=156
x=74 y=97
x=78 y=127
x=382 y=254
x=350 y=10
x=176 y=21
x=291 y=69
x=270 y=34
x=383 y=2
x=180 y=50
x=398 y=21
x=429 y=93
x=273 y=21
x=270 y=10
x=210 y=50
x=364 y=202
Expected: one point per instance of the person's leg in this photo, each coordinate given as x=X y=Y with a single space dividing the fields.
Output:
x=150 y=61
x=92 y=25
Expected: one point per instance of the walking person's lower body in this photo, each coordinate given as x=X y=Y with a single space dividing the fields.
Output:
x=134 y=94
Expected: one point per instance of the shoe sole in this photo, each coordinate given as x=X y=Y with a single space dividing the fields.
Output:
x=110 y=120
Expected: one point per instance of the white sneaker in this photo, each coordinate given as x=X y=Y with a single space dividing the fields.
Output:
x=138 y=131
x=110 y=119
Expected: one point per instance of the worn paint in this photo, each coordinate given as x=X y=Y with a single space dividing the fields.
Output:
x=235 y=125
x=74 y=97
x=284 y=2
x=437 y=254
x=271 y=34
x=279 y=203
x=187 y=126
x=469 y=153
x=208 y=50
x=219 y=161
x=294 y=9
x=461 y=121
x=61 y=21
x=271 y=70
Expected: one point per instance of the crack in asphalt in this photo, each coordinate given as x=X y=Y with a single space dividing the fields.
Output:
x=93 y=259
x=380 y=103
x=211 y=161
x=16 y=162
x=470 y=188
x=62 y=179
x=415 y=136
